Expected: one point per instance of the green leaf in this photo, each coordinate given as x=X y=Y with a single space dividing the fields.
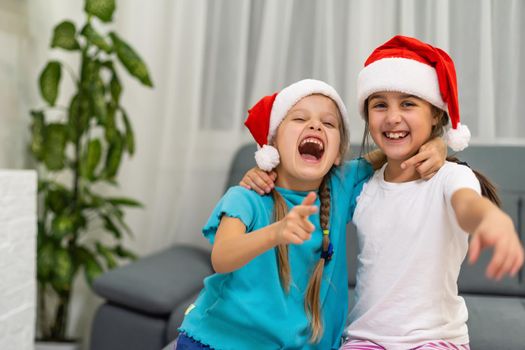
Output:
x=57 y=199
x=80 y=221
x=78 y=117
x=119 y=215
x=103 y=9
x=127 y=202
x=63 y=271
x=111 y=227
x=41 y=236
x=115 y=88
x=92 y=269
x=113 y=158
x=95 y=38
x=107 y=254
x=89 y=69
x=55 y=145
x=49 y=80
x=37 y=134
x=124 y=253
x=93 y=201
x=45 y=261
x=64 y=36
x=131 y=60
x=62 y=225
x=110 y=131
x=92 y=158
x=97 y=98
x=43 y=185
x=129 y=137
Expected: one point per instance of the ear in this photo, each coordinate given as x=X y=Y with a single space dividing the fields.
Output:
x=437 y=114
x=337 y=160
x=435 y=120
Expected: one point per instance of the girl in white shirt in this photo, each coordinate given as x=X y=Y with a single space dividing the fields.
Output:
x=413 y=234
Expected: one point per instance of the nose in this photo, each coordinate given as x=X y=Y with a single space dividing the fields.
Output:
x=393 y=116
x=315 y=125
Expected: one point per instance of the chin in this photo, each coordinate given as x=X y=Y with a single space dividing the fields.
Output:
x=313 y=173
x=398 y=154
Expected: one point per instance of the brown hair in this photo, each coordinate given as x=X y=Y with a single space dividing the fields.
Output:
x=311 y=301
x=488 y=189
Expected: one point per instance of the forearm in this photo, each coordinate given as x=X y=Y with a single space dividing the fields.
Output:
x=471 y=209
x=231 y=253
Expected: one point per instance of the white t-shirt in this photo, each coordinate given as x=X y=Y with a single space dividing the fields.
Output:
x=410 y=253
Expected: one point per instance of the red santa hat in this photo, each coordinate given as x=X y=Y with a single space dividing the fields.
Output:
x=266 y=115
x=408 y=65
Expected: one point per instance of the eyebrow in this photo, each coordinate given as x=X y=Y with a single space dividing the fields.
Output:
x=303 y=110
x=402 y=96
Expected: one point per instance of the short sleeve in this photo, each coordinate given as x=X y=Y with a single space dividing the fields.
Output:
x=460 y=176
x=237 y=202
x=354 y=174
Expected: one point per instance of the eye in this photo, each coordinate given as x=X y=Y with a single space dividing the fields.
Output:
x=299 y=119
x=329 y=122
x=408 y=103
x=379 y=105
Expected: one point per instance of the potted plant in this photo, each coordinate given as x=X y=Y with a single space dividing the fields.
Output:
x=78 y=148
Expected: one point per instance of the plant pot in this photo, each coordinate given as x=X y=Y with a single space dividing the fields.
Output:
x=51 y=345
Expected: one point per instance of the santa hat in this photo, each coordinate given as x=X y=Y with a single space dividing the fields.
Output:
x=266 y=115
x=410 y=66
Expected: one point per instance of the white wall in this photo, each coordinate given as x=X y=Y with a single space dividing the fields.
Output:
x=17 y=259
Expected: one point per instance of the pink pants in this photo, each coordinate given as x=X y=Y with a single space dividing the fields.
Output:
x=358 y=344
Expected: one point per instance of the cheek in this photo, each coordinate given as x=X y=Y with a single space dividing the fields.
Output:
x=335 y=146
x=425 y=127
x=373 y=123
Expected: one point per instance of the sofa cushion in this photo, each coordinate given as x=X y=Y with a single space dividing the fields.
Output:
x=116 y=327
x=156 y=284
x=496 y=322
x=472 y=279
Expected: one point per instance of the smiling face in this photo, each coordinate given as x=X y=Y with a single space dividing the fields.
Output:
x=309 y=143
x=399 y=123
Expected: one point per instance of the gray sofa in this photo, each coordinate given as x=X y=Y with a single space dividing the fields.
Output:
x=146 y=300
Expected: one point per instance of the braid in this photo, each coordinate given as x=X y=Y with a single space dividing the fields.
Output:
x=312 y=302
x=279 y=212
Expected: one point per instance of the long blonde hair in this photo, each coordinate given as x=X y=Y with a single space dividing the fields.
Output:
x=312 y=301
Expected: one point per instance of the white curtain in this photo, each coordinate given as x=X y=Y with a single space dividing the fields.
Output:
x=210 y=60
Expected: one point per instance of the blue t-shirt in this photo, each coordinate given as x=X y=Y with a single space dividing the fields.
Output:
x=248 y=308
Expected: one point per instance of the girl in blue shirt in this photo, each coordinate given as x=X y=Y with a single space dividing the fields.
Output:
x=281 y=276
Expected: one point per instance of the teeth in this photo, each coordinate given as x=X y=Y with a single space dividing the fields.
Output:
x=396 y=135
x=313 y=140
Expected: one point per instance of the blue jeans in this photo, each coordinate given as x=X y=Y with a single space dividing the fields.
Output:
x=186 y=343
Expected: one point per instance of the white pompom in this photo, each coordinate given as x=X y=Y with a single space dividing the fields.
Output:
x=267 y=157
x=458 y=139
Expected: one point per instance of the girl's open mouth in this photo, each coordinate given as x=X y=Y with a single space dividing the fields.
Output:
x=396 y=135
x=311 y=149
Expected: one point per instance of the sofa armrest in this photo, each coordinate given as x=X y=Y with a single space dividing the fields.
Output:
x=158 y=283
